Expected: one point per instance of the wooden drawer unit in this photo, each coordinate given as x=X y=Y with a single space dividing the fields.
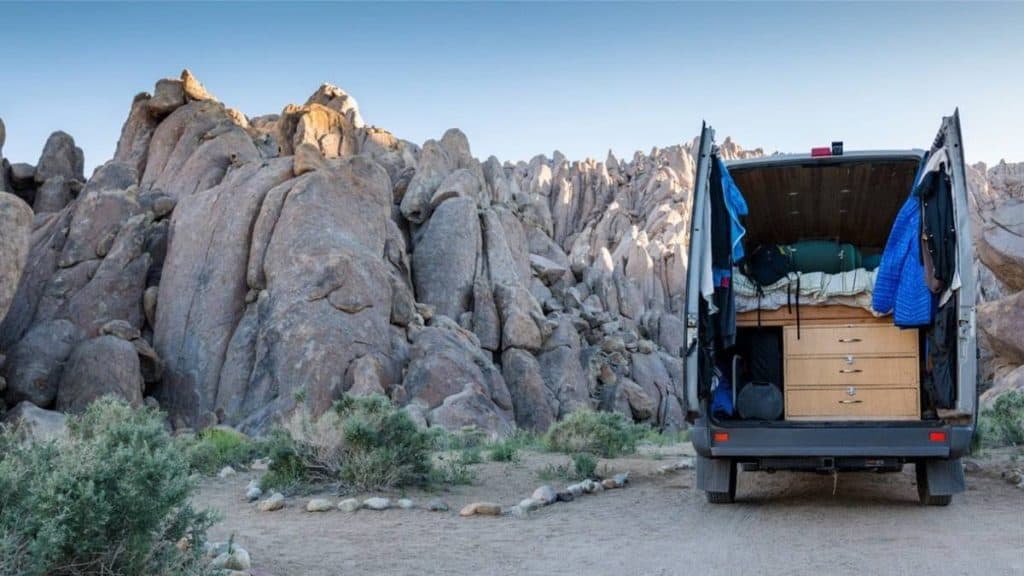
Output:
x=837 y=403
x=851 y=372
x=857 y=339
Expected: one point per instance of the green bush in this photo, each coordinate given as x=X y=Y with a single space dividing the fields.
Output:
x=605 y=434
x=585 y=465
x=362 y=444
x=111 y=498
x=1003 y=424
x=452 y=471
x=215 y=448
x=504 y=451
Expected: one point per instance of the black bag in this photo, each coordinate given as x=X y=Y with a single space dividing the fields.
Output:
x=767 y=264
x=765 y=362
x=759 y=401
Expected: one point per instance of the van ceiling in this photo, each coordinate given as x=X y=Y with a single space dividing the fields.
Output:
x=853 y=201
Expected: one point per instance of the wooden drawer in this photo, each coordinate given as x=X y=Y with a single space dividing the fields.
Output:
x=862 y=404
x=856 y=339
x=851 y=370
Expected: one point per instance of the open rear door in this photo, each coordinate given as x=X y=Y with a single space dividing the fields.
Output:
x=699 y=237
x=967 y=357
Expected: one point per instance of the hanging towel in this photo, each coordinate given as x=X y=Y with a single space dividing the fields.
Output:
x=737 y=207
x=899 y=284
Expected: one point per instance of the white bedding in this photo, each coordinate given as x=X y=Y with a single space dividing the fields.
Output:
x=853 y=288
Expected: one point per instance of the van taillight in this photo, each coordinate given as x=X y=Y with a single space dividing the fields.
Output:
x=720 y=437
x=937 y=436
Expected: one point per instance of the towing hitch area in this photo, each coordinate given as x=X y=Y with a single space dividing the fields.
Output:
x=824 y=464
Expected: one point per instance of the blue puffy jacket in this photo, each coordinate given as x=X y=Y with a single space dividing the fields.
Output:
x=900 y=282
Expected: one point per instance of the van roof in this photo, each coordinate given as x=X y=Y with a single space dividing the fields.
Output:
x=855 y=155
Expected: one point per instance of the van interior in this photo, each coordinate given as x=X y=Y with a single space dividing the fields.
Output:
x=808 y=347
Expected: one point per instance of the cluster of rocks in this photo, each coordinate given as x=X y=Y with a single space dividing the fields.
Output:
x=276 y=501
x=997 y=196
x=231 y=268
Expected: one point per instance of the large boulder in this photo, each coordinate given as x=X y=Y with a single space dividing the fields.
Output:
x=34 y=365
x=1001 y=324
x=102 y=366
x=1010 y=381
x=34 y=423
x=60 y=157
x=444 y=260
x=1000 y=243
x=536 y=406
x=15 y=227
x=318 y=258
x=203 y=287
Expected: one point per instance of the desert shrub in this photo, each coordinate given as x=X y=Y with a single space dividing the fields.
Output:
x=584 y=465
x=111 y=498
x=1003 y=424
x=362 y=443
x=605 y=434
x=214 y=448
x=451 y=469
x=470 y=456
x=466 y=438
x=663 y=438
x=286 y=472
x=504 y=451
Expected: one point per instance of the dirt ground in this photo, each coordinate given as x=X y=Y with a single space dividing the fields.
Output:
x=784 y=523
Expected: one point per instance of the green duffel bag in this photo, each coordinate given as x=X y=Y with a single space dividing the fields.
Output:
x=825 y=256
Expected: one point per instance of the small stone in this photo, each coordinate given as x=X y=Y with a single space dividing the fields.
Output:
x=253 y=490
x=234 y=559
x=529 y=504
x=621 y=479
x=565 y=496
x=519 y=512
x=377 y=503
x=274 y=502
x=481 y=509
x=226 y=472
x=971 y=466
x=319 y=505
x=609 y=484
x=575 y=489
x=545 y=495
x=588 y=486
x=405 y=504
x=349 y=505
x=437 y=505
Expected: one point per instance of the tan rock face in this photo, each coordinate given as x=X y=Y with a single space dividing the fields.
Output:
x=15 y=226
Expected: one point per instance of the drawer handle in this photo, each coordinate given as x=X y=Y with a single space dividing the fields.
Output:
x=848 y=340
x=850 y=370
x=850 y=401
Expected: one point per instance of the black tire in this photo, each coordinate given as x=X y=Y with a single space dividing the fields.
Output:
x=725 y=497
x=923 y=494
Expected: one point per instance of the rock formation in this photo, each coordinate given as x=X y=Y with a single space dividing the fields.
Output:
x=997 y=196
x=234 y=268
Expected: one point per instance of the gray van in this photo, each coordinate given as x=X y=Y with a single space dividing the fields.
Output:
x=852 y=383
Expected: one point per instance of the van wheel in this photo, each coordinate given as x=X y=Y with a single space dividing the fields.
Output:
x=923 y=493
x=725 y=497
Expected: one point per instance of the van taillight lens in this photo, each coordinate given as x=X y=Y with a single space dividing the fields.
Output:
x=937 y=436
x=720 y=437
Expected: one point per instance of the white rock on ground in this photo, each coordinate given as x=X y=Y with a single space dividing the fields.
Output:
x=545 y=494
x=377 y=503
x=349 y=505
x=274 y=502
x=405 y=504
x=253 y=490
x=319 y=505
x=235 y=559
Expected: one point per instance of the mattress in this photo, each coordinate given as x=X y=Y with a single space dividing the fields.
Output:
x=852 y=288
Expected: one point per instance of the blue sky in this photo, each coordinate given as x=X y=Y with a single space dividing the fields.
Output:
x=522 y=79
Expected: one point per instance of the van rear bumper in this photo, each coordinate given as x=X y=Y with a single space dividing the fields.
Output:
x=832 y=439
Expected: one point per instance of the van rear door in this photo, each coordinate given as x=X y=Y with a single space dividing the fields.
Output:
x=967 y=359
x=699 y=236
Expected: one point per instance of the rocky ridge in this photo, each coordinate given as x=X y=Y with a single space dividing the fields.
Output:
x=232 y=268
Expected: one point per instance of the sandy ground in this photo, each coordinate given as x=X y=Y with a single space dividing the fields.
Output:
x=784 y=523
